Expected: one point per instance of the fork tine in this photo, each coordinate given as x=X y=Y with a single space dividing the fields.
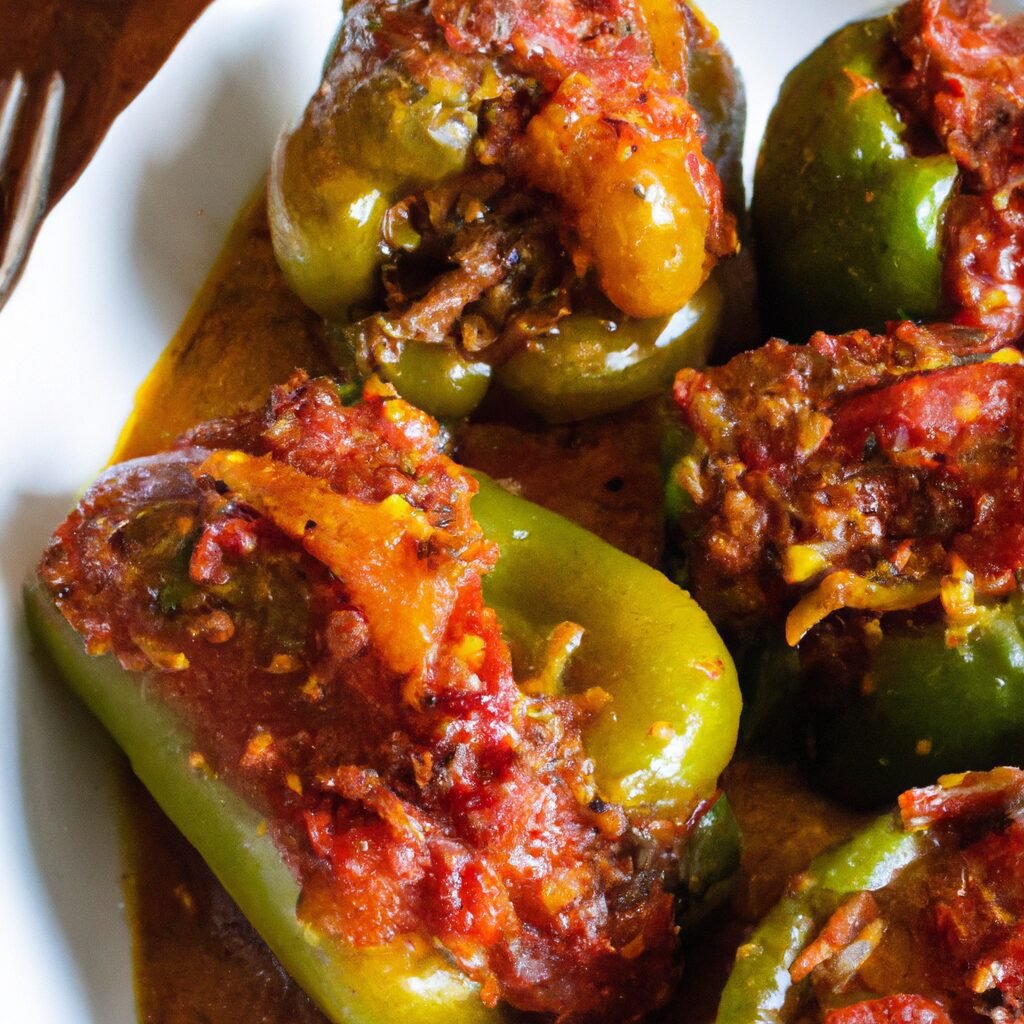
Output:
x=32 y=188
x=13 y=98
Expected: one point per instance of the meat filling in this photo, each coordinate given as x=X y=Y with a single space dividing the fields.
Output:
x=873 y=473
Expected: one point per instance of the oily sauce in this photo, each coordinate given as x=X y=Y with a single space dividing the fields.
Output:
x=197 y=958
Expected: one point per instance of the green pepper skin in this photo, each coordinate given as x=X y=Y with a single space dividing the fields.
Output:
x=361 y=146
x=718 y=94
x=435 y=378
x=438 y=379
x=921 y=708
x=648 y=645
x=848 y=223
x=709 y=864
x=930 y=709
x=383 y=136
x=759 y=988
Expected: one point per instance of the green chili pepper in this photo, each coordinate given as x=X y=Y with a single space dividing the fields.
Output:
x=848 y=221
x=647 y=644
x=759 y=990
x=385 y=134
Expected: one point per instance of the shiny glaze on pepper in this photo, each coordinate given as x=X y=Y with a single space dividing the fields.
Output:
x=471 y=182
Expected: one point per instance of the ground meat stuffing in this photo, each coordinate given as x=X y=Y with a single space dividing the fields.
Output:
x=870 y=472
x=303 y=587
x=576 y=105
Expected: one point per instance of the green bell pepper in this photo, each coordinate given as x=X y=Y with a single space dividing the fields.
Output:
x=840 y=510
x=370 y=138
x=659 y=744
x=365 y=141
x=929 y=707
x=647 y=644
x=848 y=222
x=589 y=365
x=348 y=984
x=914 y=706
x=760 y=990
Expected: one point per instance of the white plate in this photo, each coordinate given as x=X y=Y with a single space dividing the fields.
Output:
x=112 y=275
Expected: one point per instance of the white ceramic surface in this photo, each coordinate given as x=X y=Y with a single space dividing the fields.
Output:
x=112 y=275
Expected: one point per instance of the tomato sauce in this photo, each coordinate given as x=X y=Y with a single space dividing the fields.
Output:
x=375 y=721
x=628 y=60
x=196 y=956
x=965 y=82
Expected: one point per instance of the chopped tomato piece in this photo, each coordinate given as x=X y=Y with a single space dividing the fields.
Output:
x=958 y=799
x=890 y=1010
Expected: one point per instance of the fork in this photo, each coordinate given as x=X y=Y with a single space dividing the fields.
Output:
x=32 y=190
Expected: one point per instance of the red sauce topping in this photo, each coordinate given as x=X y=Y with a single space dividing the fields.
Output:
x=966 y=83
x=871 y=467
x=587 y=167
x=890 y=1010
x=606 y=40
x=413 y=786
x=631 y=54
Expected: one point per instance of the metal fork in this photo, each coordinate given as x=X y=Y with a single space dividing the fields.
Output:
x=32 y=189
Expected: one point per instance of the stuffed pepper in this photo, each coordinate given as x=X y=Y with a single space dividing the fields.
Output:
x=300 y=625
x=851 y=519
x=889 y=181
x=530 y=193
x=917 y=920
